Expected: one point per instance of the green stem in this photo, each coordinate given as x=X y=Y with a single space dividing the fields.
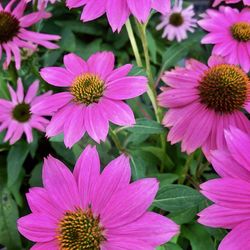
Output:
x=133 y=43
x=116 y=140
x=186 y=169
x=142 y=28
x=13 y=73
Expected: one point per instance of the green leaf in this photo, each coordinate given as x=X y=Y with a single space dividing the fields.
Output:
x=36 y=176
x=144 y=126
x=138 y=166
x=175 y=198
x=9 y=236
x=169 y=246
x=198 y=237
x=152 y=46
x=15 y=160
x=68 y=41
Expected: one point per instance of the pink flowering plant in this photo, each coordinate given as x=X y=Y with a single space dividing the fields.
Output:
x=124 y=124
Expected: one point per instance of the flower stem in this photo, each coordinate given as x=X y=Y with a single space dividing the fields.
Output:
x=186 y=168
x=142 y=28
x=116 y=140
x=133 y=43
x=13 y=73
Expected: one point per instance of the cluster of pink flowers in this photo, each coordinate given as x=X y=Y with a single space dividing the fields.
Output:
x=208 y=106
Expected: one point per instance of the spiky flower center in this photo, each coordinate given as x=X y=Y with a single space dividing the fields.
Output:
x=21 y=112
x=224 y=88
x=87 y=88
x=80 y=230
x=9 y=27
x=176 y=19
x=241 y=31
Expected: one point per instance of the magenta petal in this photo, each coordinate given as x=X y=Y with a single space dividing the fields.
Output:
x=50 y=245
x=75 y=64
x=113 y=178
x=101 y=63
x=129 y=203
x=93 y=10
x=60 y=184
x=37 y=227
x=238 y=238
x=86 y=173
x=57 y=76
x=239 y=151
x=218 y=216
x=31 y=93
x=95 y=123
x=40 y=202
x=117 y=112
x=119 y=72
x=162 y=6
x=117 y=16
x=74 y=128
x=228 y=192
x=140 y=9
x=152 y=229
x=126 y=87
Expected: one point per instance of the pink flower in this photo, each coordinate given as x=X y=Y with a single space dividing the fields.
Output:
x=92 y=97
x=217 y=2
x=178 y=22
x=14 y=34
x=231 y=192
x=229 y=30
x=42 y=3
x=203 y=101
x=118 y=11
x=16 y=115
x=93 y=210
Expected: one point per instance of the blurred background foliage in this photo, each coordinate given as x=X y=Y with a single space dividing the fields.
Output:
x=179 y=175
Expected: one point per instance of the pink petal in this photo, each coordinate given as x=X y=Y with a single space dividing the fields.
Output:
x=117 y=112
x=37 y=227
x=126 y=87
x=238 y=238
x=129 y=203
x=75 y=64
x=60 y=184
x=57 y=76
x=101 y=63
x=113 y=178
x=218 y=216
x=86 y=173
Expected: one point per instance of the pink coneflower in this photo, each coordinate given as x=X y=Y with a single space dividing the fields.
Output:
x=93 y=96
x=16 y=115
x=217 y=2
x=89 y=210
x=42 y=3
x=229 y=30
x=230 y=193
x=178 y=22
x=203 y=101
x=118 y=11
x=14 y=34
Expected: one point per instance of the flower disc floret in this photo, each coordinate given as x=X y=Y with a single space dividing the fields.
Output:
x=87 y=88
x=9 y=27
x=241 y=31
x=224 y=88
x=80 y=230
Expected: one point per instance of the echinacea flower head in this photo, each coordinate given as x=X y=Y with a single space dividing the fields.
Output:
x=229 y=31
x=14 y=34
x=16 y=115
x=203 y=101
x=217 y=2
x=89 y=210
x=41 y=3
x=231 y=192
x=178 y=22
x=93 y=95
x=118 y=11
